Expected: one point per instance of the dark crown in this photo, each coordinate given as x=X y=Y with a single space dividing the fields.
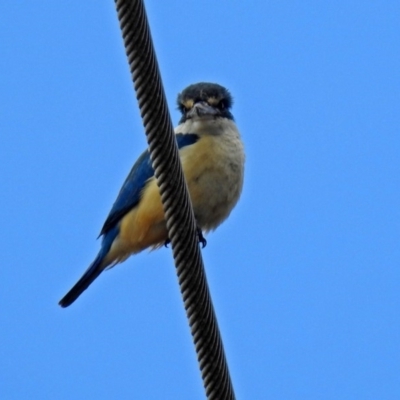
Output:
x=212 y=93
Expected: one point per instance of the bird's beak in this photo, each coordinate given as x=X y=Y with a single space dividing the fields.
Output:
x=202 y=109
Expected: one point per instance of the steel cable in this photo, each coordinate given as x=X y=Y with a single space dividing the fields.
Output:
x=179 y=215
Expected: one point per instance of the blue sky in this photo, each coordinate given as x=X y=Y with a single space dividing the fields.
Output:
x=305 y=275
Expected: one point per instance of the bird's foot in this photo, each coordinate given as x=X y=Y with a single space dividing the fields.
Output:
x=201 y=238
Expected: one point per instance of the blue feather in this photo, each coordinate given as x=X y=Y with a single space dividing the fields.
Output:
x=94 y=270
x=135 y=182
x=186 y=139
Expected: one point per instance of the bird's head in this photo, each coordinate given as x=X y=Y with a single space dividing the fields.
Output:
x=204 y=101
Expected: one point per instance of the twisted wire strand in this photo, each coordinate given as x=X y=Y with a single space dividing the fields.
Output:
x=175 y=198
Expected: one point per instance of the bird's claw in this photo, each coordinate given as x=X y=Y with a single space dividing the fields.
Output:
x=201 y=238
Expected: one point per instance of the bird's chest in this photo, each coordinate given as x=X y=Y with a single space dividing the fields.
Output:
x=213 y=170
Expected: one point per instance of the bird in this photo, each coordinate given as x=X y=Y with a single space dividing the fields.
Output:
x=212 y=157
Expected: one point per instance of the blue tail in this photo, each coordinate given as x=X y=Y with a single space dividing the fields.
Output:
x=94 y=270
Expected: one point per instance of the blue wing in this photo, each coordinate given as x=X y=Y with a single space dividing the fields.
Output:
x=131 y=190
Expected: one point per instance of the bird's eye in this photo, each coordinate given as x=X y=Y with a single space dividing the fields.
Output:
x=183 y=109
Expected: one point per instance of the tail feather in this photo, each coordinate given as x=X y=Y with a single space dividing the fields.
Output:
x=86 y=280
x=94 y=270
